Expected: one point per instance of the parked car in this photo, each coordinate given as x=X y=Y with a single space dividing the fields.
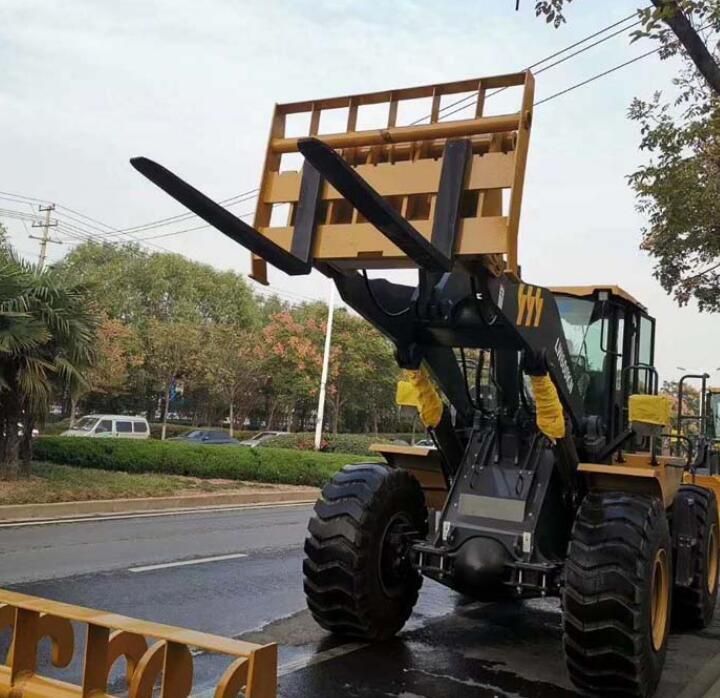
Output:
x=103 y=426
x=426 y=443
x=263 y=436
x=207 y=437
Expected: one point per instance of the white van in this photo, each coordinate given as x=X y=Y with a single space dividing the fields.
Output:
x=102 y=426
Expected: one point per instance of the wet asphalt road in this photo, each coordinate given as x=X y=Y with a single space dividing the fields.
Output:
x=451 y=647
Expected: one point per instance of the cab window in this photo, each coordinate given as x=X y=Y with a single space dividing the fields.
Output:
x=123 y=427
x=105 y=426
x=86 y=424
x=583 y=330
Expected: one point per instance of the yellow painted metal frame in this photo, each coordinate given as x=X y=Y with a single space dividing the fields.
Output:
x=403 y=163
x=424 y=464
x=587 y=291
x=709 y=482
x=637 y=474
x=110 y=637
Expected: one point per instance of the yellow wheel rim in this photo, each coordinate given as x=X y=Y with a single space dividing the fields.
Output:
x=712 y=561
x=660 y=598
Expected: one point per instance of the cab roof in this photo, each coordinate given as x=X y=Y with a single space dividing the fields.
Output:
x=587 y=291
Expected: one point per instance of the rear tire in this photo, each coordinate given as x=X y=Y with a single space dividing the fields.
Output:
x=358 y=577
x=617 y=596
x=694 y=605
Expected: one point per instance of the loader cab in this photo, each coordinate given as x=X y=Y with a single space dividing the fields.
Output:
x=611 y=339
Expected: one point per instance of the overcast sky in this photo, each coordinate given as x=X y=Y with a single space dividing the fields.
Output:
x=86 y=84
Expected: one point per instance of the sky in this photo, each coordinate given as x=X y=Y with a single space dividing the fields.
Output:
x=87 y=84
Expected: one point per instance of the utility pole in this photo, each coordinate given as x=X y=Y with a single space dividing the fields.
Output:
x=325 y=366
x=45 y=238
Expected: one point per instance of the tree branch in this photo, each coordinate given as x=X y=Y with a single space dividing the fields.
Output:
x=702 y=58
x=702 y=273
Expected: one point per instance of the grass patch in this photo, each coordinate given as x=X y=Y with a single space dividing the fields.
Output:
x=271 y=465
x=61 y=483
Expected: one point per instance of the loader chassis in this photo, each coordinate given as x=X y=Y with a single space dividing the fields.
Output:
x=560 y=489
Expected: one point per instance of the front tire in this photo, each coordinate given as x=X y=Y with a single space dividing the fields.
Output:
x=617 y=596
x=358 y=577
x=694 y=604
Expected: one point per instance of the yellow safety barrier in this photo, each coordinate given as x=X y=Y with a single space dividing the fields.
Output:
x=417 y=390
x=549 y=412
x=252 y=673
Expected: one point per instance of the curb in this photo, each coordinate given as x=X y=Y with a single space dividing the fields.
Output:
x=59 y=510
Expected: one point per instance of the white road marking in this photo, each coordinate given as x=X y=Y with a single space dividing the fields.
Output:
x=320 y=657
x=185 y=563
x=150 y=514
x=311 y=660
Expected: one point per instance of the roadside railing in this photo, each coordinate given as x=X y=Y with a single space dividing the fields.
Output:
x=166 y=662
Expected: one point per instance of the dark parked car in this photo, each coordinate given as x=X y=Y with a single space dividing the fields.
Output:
x=207 y=437
x=262 y=437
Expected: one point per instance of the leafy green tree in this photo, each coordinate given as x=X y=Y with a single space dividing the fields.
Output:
x=172 y=352
x=233 y=367
x=47 y=340
x=363 y=382
x=135 y=286
x=139 y=288
x=678 y=188
x=293 y=342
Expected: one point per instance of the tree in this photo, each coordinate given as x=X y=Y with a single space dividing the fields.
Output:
x=677 y=189
x=171 y=353
x=47 y=339
x=118 y=353
x=134 y=286
x=232 y=361
x=365 y=372
x=138 y=288
x=293 y=342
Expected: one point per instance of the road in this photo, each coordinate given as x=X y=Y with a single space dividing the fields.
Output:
x=451 y=647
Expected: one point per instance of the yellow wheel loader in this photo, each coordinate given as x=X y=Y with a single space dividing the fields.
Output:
x=549 y=476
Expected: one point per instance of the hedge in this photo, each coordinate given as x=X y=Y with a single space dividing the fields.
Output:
x=271 y=465
x=359 y=444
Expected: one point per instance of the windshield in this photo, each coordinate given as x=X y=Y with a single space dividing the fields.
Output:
x=85 y=424
x=583 y=332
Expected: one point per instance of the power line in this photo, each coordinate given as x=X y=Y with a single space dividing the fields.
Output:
x=161 y=222
x=190 y=230
x=244 y=196
x=597 y=77
x=470 y=98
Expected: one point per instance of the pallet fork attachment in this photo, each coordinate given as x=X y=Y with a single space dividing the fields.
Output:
x=288 y=261
x=373 y=206
x=436 y=194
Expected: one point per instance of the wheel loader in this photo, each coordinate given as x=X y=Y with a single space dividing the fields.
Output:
x=553 y=472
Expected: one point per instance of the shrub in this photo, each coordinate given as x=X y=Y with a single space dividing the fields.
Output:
x=358 y=444
x=272 y=465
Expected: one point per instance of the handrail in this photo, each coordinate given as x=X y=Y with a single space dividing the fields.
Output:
x=111 y=636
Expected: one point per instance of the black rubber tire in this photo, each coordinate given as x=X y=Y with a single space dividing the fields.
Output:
x=607 y=606
x=694 y=606
x=343 y=584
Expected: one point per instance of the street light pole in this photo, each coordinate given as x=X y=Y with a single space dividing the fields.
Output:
x=325 y=366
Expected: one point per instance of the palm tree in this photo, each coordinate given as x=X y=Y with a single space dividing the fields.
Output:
x=47 y=332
